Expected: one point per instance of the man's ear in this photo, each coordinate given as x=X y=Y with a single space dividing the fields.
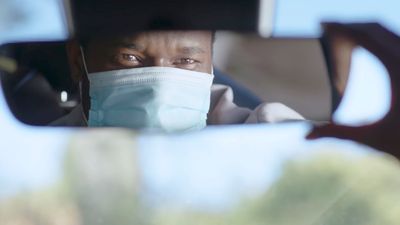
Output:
x=75 y=60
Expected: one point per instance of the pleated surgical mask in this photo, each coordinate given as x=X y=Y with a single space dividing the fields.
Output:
x=155 y=98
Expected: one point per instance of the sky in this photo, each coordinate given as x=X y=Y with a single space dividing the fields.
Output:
x=303 y=17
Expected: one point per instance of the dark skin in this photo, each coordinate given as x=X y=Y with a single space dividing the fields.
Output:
x=190 y=50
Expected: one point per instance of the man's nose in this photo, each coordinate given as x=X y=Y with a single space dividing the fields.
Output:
x=162 y=62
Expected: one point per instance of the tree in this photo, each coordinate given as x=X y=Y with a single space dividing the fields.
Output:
x=330 y=189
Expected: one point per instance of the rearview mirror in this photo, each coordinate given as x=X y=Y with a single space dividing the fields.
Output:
x=290 y=71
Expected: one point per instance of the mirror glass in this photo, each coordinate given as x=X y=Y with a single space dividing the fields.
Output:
x=272 y=80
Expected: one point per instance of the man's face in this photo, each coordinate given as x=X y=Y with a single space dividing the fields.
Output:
x=191 y=50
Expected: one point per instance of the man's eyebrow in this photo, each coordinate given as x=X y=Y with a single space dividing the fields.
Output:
x=191 y=50
x=130 y=45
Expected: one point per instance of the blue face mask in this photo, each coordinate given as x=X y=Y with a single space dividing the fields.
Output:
x=155 y=98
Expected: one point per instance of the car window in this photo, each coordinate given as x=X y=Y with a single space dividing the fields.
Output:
x=231 y=173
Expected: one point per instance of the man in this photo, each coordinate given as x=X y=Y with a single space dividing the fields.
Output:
x=156 y=80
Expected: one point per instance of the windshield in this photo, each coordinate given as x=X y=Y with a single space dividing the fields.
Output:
x=254 y=166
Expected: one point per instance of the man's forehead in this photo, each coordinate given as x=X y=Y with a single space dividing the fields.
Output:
x=182 y=37
x=169 y=36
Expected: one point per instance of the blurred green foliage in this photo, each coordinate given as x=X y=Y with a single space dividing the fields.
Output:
x=331 y=189
x=102 y=186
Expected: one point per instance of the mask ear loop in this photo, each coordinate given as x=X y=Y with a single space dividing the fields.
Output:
x=83 y=60
x=80 y=82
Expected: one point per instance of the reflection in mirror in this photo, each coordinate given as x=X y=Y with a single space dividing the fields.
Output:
x=34 y=91
x=291 y=71
x=168 y=80
x=367 y=94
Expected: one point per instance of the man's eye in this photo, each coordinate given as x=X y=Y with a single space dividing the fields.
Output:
x=126 y=60
x=129 y=57
x=186 y=61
